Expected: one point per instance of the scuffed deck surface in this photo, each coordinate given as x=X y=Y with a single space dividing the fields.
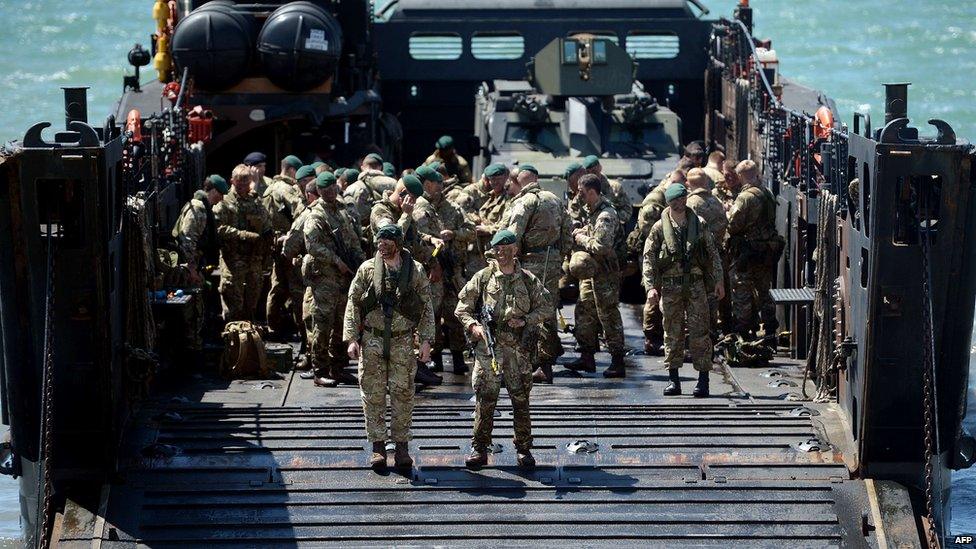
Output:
x=283 y=463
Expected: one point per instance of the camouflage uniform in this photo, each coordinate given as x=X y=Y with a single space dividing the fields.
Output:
x=600 y=295
x=458 y=167
x=430 y=218
x=752 y=228
x=519 y=295
x=617 y=197
x=195 y=231
x=707 y=207
x=391 y=369
x=384 y=212
x=325 y=293
x=480 y=206
x=684 y=298
x=294 y=251
x=366 y=191
x=715 y=176
x=649 y=214
x=544 y=233
x=244 y=231
x=284 y=201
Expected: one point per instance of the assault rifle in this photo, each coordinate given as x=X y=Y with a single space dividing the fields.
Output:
x=486 y=317
x=352 y=259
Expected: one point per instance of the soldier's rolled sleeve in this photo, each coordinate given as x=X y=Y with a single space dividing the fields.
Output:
x=192 y=229
x=352 y=320
x=538 y=298
x=600 y=240
x=714 y=259
x=652 y=247
x=467 y=300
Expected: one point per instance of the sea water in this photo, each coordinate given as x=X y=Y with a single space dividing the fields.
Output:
x=845 y=48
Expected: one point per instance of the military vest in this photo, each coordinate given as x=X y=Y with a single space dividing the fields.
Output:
x=686 y=248
x=399 y=298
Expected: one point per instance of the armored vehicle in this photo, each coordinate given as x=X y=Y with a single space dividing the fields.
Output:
x=580 y=97
x=847 y=438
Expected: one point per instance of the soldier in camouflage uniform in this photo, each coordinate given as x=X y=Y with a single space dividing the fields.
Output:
x=368 y=187
x=681 y=264
x=596 y=265
x=244 y=233
x=701 y=201
x=483 y=203
x=196 y=234
x=754 y=248
x=714 y=169
x=728 y=189
x=454 y=163
x=435 y=216
x=284 y=200
x=539 y=221
x=332 y=252
x=613 y=190
x=389 y=303
x=647 y=216
x=518 y=302
x=294 y=251
x=257 y=163
x=396 y=208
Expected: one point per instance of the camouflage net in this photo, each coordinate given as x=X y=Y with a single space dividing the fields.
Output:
x=740 y=352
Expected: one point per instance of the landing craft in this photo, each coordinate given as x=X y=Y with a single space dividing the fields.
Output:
x=846 y=438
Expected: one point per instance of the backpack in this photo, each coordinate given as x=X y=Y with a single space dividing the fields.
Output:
x=244 y=356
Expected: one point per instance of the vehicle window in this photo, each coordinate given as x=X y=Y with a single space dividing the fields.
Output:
x=492 y=46
x=652 y=45
x=435 y=46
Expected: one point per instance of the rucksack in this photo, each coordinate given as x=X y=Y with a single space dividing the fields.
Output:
x=244 y=356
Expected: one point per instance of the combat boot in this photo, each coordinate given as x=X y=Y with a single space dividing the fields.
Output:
x=617 y=367
x=377 y=461
x=341 y=376
x=673 y=388
x=585 y=363
x=457 y=359
x=525 y=460
x=477 y=459
x=438 y=362
x=701 y=388
x=425 y=377
x=322 y=377
x=401 y=457
x=653 y=343
x=543 y=374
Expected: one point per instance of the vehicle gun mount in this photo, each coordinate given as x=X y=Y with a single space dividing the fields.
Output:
x=582 y=64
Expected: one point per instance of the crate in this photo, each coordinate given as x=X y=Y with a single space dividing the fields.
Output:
x=280 y=356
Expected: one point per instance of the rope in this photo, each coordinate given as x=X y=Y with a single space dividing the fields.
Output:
x=822 y=356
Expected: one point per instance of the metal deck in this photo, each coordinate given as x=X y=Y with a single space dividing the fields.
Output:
x=283 y=464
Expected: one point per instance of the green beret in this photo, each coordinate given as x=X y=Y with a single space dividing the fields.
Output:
x=219 y=183
x=590 y=161
x=413 y=185
x=528 y=168
x=305 y=171
x=390 y=232
x=293 y=161
x=339 y=171
x=675 y=191
x=445 y=142
x=389 y=170
x=352 y=174
x=374 y=156
x=434 y=165
x=428 y=173
x=571 y=169
x=496 y=169
x=325 y=180
x=316 y=164
x=503 y=236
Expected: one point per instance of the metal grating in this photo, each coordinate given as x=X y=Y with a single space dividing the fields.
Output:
x=792 y=295
x=436 y=47
x=678 y=474
x=653 y=45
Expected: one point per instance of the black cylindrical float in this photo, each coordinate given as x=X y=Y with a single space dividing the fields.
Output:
x=300 y=45
x=215 y=42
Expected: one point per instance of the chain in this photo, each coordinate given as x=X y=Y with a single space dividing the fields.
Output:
x=45 y=490
x=928 y=367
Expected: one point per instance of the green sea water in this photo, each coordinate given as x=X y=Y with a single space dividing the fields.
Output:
x=846 y=48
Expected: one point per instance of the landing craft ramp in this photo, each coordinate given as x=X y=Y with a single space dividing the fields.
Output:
x=282 y=463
